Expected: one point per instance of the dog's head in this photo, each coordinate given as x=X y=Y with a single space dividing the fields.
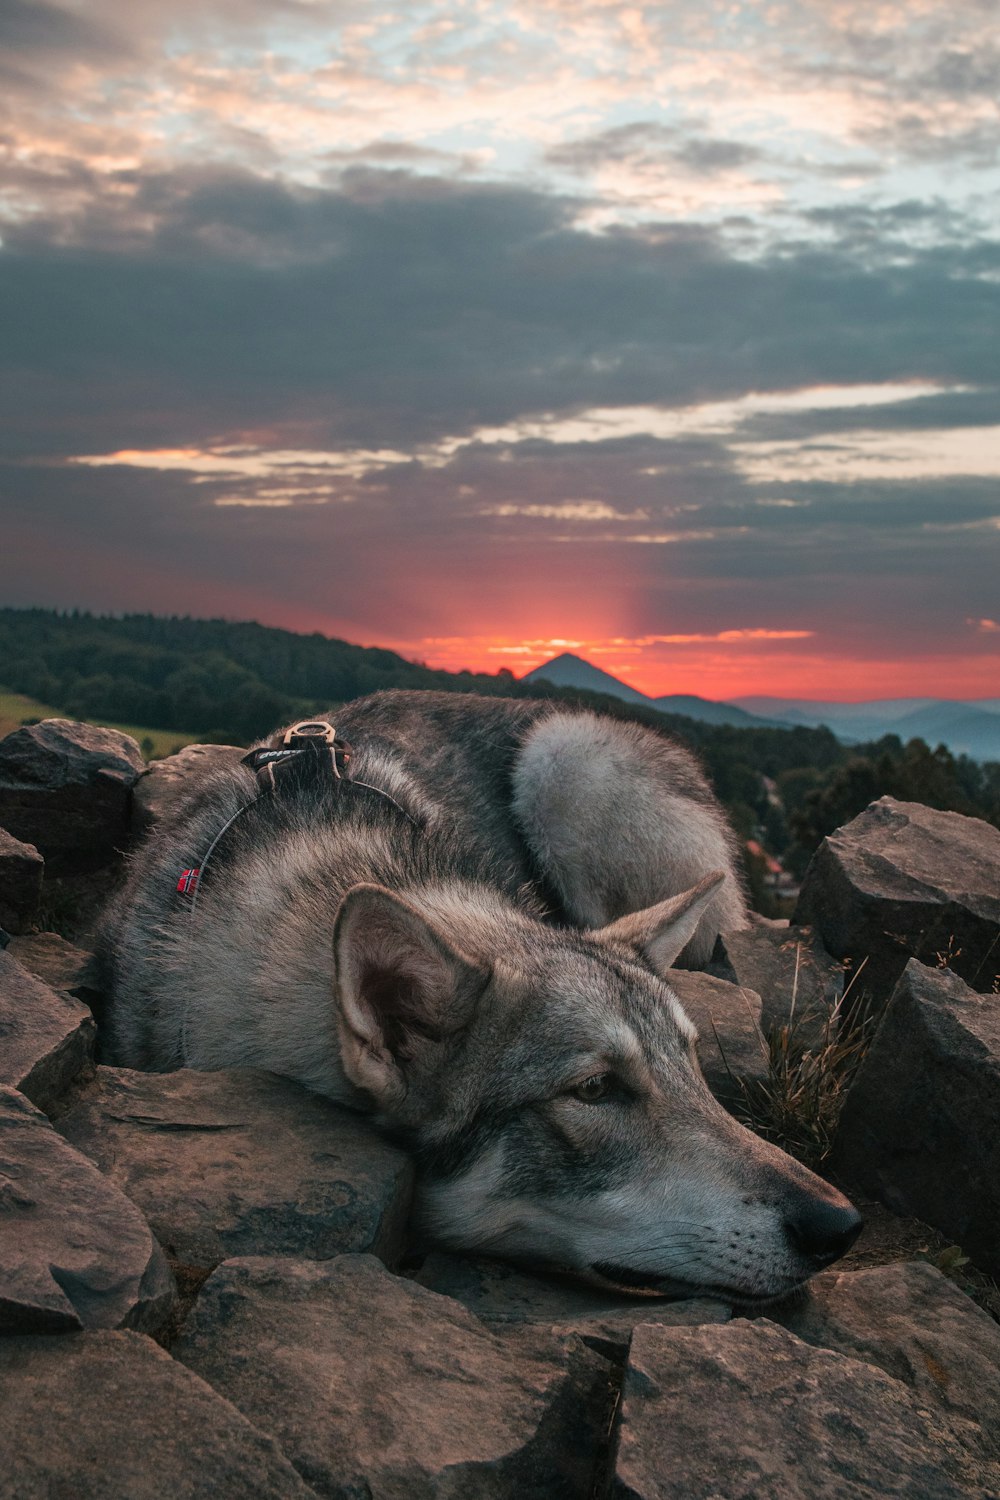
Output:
x=548 y=1084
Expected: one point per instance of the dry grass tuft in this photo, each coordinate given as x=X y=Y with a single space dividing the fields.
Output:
x=798 y=1105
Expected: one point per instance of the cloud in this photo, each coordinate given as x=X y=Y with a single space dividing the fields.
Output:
x=386 y=322
x=650 y=142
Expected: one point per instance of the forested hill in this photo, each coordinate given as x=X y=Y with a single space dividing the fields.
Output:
x=236 y=682
x=224 y=680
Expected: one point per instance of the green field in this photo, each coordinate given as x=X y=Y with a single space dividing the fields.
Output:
x=16 y=707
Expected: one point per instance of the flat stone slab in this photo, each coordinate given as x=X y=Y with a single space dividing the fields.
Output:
x=74 y=1252
x=748 y=1411
x=46 y=1037
x=243 y=1162
x=374 y=1386
x=731 y=1046
x=797 y=980
x=903 y=880
x=110 y=1416
x=59 y=964
x=21 y=872
x=919 y=1128
x=500 y=1294
x=65 y=787
x=166 y=783
x=913 y=1323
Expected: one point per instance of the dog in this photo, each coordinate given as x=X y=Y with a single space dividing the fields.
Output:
x=459 y=914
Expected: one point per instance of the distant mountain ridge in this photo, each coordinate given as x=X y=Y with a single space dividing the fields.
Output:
x=568 y=670
x=967 y=728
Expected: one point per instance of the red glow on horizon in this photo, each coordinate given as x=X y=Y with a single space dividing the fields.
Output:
x=723 y=673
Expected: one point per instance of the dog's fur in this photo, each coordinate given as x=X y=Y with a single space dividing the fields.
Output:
x=465 y=960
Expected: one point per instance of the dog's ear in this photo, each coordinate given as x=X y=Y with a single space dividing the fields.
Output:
x=661 y=932
x=402 y=988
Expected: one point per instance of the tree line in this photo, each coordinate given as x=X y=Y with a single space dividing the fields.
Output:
x=233 y=683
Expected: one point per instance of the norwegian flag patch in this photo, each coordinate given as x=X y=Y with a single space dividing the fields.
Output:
x=187 y=882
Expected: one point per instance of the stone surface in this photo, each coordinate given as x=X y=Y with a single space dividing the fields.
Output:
x=749 y=1412
x=731 y=1047
x=243 y=1163
x=375 y=1386
x=110 y=1416
x=500 y=1294
x=74 y=1252
x=165 y=783
x=798 y=982
x=65 y=787
x=915 y=1325
x=46 y=1037
x=919 y=1128
x=21 y=871
x=59 y=964
x=902 y=881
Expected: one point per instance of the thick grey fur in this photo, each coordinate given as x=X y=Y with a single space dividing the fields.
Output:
x=459 y=959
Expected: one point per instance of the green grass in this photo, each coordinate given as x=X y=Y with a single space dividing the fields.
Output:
x=16 y=707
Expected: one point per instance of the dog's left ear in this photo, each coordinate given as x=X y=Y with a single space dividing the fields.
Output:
x=661 y=932
x=402 y=988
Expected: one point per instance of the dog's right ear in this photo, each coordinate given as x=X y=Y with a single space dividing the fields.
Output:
x=661 y=932
x=402 y=988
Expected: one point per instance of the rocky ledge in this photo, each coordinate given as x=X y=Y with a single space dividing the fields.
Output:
x=205 y=1281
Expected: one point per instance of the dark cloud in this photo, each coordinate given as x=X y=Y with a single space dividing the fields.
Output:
x=36 y=28
x=647 y=142
x=401 y=308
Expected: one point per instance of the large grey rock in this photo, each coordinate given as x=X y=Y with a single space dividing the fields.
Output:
x=500 y=1295
x=21 y=871
x=110 y=1416
x=376 y=1387
x=798 y=982
x=74 y=1252
x=749 y=1412
x=900 y=881
x=243 y=1163
x=731 y=1046
x=46 y=1037
x=65 y=788
x=919 y=1128
x=166 y=783
x=915 y=1325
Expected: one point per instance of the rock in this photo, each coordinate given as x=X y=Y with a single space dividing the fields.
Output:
x=111 y=1416
x=919 y=1126
x=373 y=1386
x=165 y=783
x=60 y=965
x=65 y=788
x=749 y=1412
x=731 y=1046
x=46 y=1037
x=916 y=1326
x=243 y=1162
x=75 y=1252
x=501 y=1295
x=798 y=982
x=21 y=871
x=904 y=881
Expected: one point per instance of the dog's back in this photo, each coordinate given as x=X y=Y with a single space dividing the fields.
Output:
x=472 y=937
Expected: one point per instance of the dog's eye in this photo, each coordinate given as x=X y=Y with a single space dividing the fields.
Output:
x=593 y=1090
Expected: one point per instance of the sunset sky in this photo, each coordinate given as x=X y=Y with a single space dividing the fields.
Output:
x=665 y=333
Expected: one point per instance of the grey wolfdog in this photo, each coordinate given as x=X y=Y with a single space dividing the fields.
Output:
x=471 y=937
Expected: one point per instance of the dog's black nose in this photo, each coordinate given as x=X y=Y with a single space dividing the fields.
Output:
x=823 y=1232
